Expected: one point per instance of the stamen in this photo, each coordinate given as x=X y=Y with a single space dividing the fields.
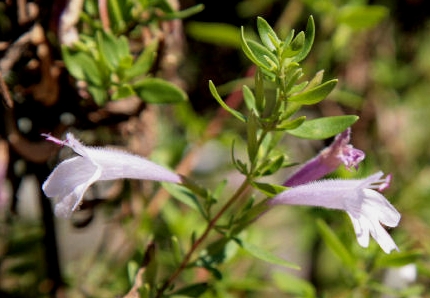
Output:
x=54 y=140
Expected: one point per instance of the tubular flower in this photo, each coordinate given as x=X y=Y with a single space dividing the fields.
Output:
x=328 y=160
x=72 y=177
x=366 y=207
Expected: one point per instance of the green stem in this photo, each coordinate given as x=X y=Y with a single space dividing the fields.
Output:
x=254 y=162
x=200 y=240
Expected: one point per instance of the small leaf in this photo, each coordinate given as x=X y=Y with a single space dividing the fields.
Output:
x=176 y=250
x=182 y=14
x=268 y=189
x=252 y=127
x=256 y=52
x=249 y=98
x=323 y=128
x=298 y=42
x=82 y=66
x=291 y=124
x=314 y=95
x=335 y=244
x=123 y=91
x=264 y=255
x=264 y=57
x=99 y=94
x=309 y=40
x=218 y=98
x=184 y=195
x=316 y=80
x=155 y=90
x=267 y=34
x=274 y=164
x=111 y=49
x=144 y=62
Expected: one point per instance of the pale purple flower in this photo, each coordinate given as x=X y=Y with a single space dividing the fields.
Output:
x=72 y=177
x=328 y=160
x=368 y=209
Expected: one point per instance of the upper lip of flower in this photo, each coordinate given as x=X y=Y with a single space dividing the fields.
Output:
x=72 y=177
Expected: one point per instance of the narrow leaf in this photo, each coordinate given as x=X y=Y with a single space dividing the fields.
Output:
x=264 y=254
x=268 y=189
x=256 y=52
x=144 y=62
x=267 y=34
x=184 y=195
x=314 y=95
x=218 y=98
x=323 y=128
x=155 y=90
x=309 y=40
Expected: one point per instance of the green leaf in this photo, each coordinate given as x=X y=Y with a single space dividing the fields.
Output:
x=99 y=94
x=257 y=53
x=184 y=195
x=249 y=98
x=398 y=259
x=264 y=255
x=314 y=95
x=176 y=250
x=182 y=14
x=132 y=268
x=82 y=66
x=335 y=244
x=155 y=90
x=291 y=124
x=144 y=62
x=323 y=128
x=123 y=91
x=264 y=57
x=215 y=33
x=309 y=40
x=361 y=17
x=269 y=189
x=112 y=50
x=218 y=98
x=298 y=42
x=267 y=35
x=293 y=285
x=316 y=80
x=273 y=165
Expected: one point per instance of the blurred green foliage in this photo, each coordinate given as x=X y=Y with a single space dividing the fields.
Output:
x=382 y=69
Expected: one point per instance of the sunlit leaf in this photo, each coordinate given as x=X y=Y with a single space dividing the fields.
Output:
x=265 y=255
x=315 y=94
x=155 y=90
x=323 y=128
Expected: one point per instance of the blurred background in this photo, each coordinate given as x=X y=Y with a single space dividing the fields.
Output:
x=379 y=51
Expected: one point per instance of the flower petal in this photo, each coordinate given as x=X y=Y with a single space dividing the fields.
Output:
x=381 y=208
x=361 y=230
x=118 y=164
x=68 y=183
